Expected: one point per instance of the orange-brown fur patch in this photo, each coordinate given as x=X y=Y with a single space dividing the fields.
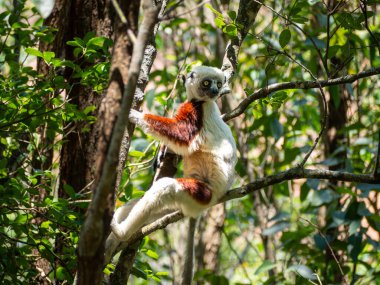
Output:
x=183 y=127
x=197 y=189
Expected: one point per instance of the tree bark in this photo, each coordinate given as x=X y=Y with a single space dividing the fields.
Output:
x=113 y=120
x=90 y=263
x=72 y=19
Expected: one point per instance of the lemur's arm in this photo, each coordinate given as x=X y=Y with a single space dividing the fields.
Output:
x=178 y=133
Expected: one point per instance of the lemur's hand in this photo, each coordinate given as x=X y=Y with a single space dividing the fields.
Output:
x=136 y=117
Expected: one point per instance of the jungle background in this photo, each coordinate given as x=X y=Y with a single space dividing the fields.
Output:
x=304 y=109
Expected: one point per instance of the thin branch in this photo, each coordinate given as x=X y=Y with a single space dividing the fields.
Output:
x=325 y=110
x=363 y=7
x=330 y=248
x=166 y=17
x=239 y=258
x=300 y=29
x=327 y=40
x=376 y=171
x=172 y=8
x=298 y=173
x=123 y=19
x=264 y=92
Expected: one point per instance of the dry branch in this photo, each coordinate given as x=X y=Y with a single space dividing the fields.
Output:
x=264 y=92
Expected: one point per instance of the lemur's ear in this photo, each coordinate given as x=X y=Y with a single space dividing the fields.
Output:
x=191 y=75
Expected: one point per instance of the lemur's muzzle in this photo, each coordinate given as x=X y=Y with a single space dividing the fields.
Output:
x=214 y=91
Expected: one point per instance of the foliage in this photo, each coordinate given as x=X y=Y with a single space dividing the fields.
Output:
x=300 y=232
x=34 y=109
x=309 y=221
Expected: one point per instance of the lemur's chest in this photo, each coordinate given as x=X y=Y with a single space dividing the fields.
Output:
x=215 y=136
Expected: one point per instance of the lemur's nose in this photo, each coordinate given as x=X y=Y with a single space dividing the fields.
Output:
x=214 y=90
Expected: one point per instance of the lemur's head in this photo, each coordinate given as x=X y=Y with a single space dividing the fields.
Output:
x=204 y=83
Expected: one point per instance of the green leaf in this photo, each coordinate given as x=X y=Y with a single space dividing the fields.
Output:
x=152 y=254
x=300 y=20
x=34 y=52
x=77 y=51
x=333 y=51
x=89 y=109
x=21 y=219
x=230 y=30
x=74 y=44
x=280 y=96
x=48 y=55
x=354 y=245
x=137 y=194
x=97 y=42
x=208 y=6
x=219 y=22
x=278 y=227
x=46 y=224
x=162 y=273
x=139 y=273
x=303 y=270
x=61 y=273
x=264 y=267
x=284 y=37
x=69 y=190
x=276 y=128
x=232 y=15
x=136 y=153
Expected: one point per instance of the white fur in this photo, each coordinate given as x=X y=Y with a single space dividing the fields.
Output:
x=210 y=158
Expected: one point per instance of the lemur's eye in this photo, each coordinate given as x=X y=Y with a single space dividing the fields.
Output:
x=206 y=83
x=219 y=84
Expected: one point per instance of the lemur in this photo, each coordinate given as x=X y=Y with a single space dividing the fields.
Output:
x=198 y=133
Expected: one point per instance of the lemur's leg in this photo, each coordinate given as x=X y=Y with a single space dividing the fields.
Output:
x=112 y=241
x=189 y=195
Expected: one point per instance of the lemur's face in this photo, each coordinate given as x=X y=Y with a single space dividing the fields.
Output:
x=204 y=83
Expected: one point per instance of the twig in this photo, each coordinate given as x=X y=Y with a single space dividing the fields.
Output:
x=330 y=248
x=376 y=171
x=264 y=92
x=327 y=39
x=166 y=17
x=241 y=261
x=363 y=7
x=172 y=8
x=325 y=110
x=123 y=19
x=299 y=28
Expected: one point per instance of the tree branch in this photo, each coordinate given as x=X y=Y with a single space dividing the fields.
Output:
x=291 y=174
x=298 y=173
x=246 y=16
x=264 y=92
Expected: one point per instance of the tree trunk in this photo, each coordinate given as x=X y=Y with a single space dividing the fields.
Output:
x=91 y=246
x=75 y=19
